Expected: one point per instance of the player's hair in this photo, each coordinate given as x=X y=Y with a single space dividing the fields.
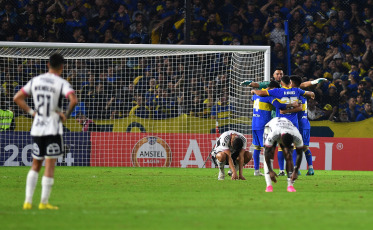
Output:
x=237 y=144
x=274 y=84
x=279 y=68
x=296 y=80
x=286 y=79
x=287 y=139
x=56 y=60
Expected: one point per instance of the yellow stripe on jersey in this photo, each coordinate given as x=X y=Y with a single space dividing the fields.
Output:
x=304 y=107
x=265 y=106
x=266 y=91
x=282 y=102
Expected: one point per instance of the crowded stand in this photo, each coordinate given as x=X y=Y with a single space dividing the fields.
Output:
x=328 y=39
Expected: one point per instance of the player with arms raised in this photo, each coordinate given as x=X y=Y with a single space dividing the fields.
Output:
x=47 y=91
x=230 y=148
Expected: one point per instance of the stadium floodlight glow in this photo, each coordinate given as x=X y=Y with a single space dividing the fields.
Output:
x=144 y=105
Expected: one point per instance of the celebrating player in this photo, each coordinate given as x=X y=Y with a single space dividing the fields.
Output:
x=277 y=76
x=281 y=130
x=287 y=95
x=262 y=109
x=230 y=148
x=304 y=127
x=46 y=90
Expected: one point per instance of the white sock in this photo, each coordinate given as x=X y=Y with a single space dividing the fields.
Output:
x=266 y=175
x=290 y=182
x=46 y=183
x=310 y=166
x=31 y=181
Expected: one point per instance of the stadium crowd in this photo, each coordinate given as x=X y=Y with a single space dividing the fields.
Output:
x=330 y=39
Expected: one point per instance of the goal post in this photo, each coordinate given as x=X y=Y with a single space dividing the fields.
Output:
x=139 y=105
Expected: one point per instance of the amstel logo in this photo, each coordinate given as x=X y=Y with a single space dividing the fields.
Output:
x=151 y=152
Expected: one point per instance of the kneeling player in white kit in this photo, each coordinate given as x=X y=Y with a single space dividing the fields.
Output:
x=282 y=131
x=230 y=149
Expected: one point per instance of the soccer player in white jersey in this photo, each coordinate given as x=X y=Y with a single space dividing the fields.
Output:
x=282 y=131
x=47 y=91
x=230 y=148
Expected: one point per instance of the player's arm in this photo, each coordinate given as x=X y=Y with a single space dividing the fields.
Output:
x=73 y=102
x=298 y=161
x=259 y=85
x=309 y=94
x=294 y=107
x=268 y=155
x=262 y=93
x=231 y=164
x=241 y=161
x=20 y=100
x=306 y=84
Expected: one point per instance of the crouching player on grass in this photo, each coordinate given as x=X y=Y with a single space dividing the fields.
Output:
x=230 y=149
x=282 y=131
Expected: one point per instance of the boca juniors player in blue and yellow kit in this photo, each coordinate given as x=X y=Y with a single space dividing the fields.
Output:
x=262 y=109
x=286 y=95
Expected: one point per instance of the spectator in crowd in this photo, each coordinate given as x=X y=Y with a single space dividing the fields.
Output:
x=140 y=109
x=315 y=113
x=222 y=110
x=366 y=113
x=328 y=38
x=351 y=110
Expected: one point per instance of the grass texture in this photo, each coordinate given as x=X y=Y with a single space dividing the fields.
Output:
x=174 y=198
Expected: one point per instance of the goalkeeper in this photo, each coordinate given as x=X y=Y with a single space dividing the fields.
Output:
x=230 y=149
x=277 y=75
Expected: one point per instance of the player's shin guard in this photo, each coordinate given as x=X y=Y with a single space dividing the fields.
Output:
x=256 y=157
x=31 y=181
x=266 y=173
x=46 y=183
x=280 y=157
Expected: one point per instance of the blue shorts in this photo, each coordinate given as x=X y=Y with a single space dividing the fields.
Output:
x=306 y=134
x=258 y=137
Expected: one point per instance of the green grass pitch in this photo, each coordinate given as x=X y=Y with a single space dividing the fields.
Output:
x=174 y=198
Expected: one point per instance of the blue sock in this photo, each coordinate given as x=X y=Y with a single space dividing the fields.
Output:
x=308 y=157
x=280 y=158
x=256 y=157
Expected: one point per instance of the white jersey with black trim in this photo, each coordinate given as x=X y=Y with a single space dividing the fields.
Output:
x=223 y=142
x=47 y=91
x=278 y=126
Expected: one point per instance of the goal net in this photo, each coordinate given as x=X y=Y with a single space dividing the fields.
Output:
x=139 y=105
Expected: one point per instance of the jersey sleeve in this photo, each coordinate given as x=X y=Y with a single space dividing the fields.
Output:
x=263 y=84
x=67 y=89
x=275 y=93
x=301 y=91
x=27 y=88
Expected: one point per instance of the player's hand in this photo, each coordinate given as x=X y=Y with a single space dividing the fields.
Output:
x=296 y=104
x=242 y=177
x=273 y=176
x=313 y=95
x=318 y=80
x=246 y=83
x=234 y=176
x=294 y=175
x=62 y=116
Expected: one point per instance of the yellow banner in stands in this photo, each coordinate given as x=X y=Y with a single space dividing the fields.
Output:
x=188 y=124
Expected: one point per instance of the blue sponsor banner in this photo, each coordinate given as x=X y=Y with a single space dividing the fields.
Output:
x=16 y=149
